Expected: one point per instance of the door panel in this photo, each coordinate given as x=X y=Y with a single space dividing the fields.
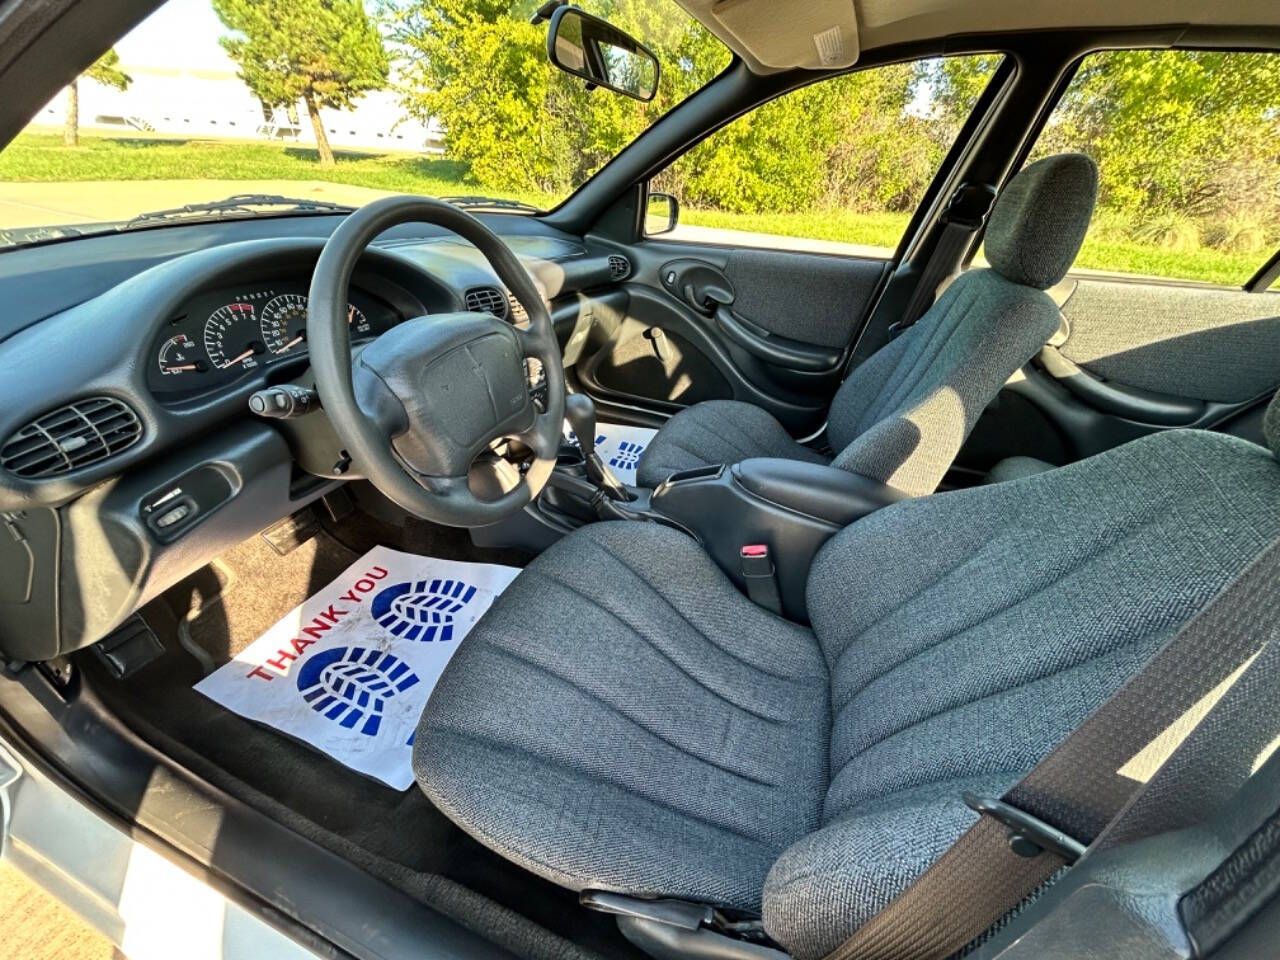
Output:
x=780 y=342
x=1131 y=359
x=804 y=297
x=1210 y=344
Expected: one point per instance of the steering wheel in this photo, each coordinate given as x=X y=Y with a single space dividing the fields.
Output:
x=428 y=396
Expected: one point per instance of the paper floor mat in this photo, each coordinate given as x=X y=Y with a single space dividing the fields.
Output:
x=349 y=670
x=620 y=447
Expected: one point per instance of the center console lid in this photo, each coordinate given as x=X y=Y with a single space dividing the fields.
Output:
x=824 y=493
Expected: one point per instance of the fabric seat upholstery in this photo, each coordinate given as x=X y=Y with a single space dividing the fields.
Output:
x=623 y=719
x=718 y=431
x=1015 y=468
x=902 y=416
x=678 y=716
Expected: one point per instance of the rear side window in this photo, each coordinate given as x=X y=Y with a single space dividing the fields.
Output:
x=835 y=167
x=1188 y=147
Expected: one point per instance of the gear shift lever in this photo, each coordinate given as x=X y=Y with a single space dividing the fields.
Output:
x=580 y=411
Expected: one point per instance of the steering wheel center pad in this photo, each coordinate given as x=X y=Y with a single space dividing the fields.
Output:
x=443 y=387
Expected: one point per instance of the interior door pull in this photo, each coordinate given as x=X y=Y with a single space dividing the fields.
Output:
x=771 y=348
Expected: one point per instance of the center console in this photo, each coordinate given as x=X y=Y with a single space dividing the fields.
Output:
x=761 y=520
x=779 y=511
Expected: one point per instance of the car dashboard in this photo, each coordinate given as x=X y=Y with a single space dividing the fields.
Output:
x=222 y=336
x=129 y=456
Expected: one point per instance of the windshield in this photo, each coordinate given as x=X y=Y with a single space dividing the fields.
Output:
x=229 y=108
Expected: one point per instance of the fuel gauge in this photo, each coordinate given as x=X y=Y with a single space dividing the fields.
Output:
x=179 y=355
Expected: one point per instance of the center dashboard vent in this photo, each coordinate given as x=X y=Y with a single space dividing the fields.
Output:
x=619 y=267
x=486 y=300
x=71 y=437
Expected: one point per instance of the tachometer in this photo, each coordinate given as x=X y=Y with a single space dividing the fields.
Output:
x=231 y=338
x=284 y=322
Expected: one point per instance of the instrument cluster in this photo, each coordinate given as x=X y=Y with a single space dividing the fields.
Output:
x=224 y=335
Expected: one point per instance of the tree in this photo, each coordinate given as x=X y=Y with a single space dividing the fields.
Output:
x=326 y=53
x=479 y=68
x=105 y=71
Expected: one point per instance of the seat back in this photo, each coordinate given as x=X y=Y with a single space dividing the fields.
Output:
x=903 y=415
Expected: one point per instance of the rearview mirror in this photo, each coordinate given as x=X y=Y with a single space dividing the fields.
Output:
x=601 y=54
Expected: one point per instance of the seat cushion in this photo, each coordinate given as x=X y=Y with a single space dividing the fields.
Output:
x=1015 y=468
x=717 y=431
x=984 y=626
x=623 y=718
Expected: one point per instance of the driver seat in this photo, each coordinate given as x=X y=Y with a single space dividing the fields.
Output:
x=623 y=719
x=902 y=416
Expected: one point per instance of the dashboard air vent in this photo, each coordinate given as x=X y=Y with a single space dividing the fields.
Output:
x=71 y=437
x=619 y=267
x=518 y=313
x=486 y=300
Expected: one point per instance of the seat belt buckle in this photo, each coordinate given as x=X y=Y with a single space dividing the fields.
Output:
x=1028 y=836
x=760 y=577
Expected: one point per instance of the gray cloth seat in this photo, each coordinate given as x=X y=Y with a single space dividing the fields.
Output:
x=902 y=416
x=623 y=719
x=1015 y=468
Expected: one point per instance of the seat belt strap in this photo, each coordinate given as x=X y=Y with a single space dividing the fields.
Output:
x=1097 y=774
x=965 y=214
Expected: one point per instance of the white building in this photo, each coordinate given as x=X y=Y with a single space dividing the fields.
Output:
x=210 y=102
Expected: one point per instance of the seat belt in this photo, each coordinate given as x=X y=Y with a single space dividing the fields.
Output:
x=965 y=214
x=1135 y=766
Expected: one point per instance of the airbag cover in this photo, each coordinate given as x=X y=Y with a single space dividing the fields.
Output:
x=443 y=387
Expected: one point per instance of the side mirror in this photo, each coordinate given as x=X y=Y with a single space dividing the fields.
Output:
x=601 y=54
x=661 y=212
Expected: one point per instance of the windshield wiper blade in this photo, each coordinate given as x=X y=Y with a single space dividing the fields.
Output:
x=240 y=203
x=476 y=201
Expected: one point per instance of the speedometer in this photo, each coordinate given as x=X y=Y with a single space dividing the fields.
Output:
x=284 y=322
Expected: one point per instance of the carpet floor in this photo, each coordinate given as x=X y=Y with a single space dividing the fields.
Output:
x=398 y=836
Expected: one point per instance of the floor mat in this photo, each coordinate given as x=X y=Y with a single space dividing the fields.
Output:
x=349 y=670
x=620 y=447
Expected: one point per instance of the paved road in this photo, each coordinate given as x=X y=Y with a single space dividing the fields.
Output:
x=48 y=204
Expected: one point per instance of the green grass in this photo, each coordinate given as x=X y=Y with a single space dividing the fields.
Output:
x=868 y=229
x=1206 y=264
x=41 y=157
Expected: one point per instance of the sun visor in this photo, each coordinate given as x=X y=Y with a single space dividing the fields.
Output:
x=772 y=36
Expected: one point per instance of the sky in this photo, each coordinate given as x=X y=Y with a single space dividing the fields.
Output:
x=182 y=33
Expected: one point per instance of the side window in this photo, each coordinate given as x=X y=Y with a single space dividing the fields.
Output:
x=1186 y=145
x=835 y=167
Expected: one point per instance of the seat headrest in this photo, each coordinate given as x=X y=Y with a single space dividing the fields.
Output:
x=1271 y=425
x=1040 y=219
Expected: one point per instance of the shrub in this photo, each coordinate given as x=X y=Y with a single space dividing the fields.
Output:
x=1168 y=230
x=1238 y=234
